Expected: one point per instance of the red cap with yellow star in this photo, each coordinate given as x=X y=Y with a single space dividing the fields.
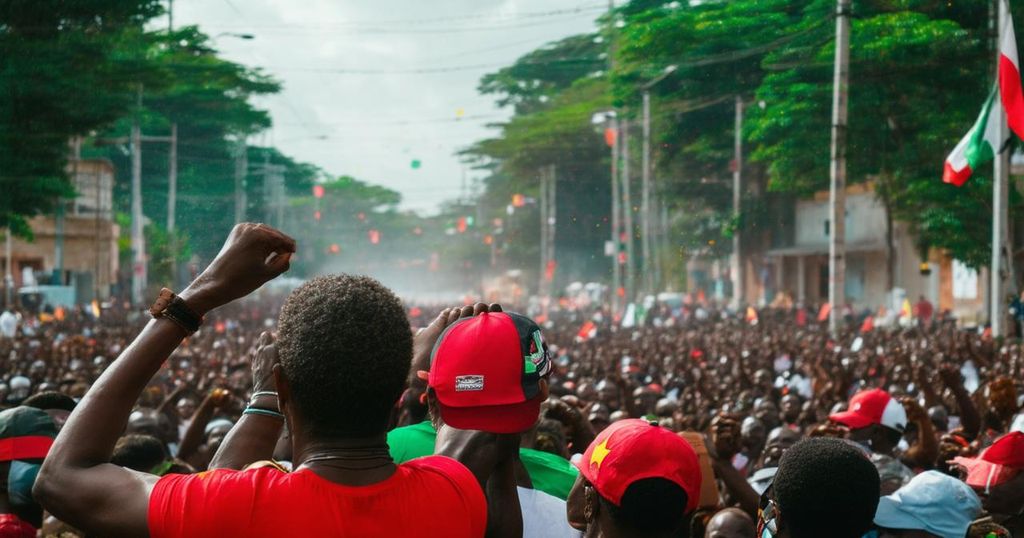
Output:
x=634 y=449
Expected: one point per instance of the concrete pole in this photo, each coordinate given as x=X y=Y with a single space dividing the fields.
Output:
x=542 y=285
x=241 y=168
x=138 y=240
x=8 y=263
x=627 y=212
x=998 y=303
x=837 y=188
x=736 y=260
x=645 y=198
x=172 y=201
x=616 y=225
x=552 y=217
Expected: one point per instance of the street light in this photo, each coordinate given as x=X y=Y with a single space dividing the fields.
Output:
x=646 y=186
x=608 y=120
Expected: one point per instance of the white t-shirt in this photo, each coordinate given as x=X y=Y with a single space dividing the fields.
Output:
x=8 y=324
x=544 y=515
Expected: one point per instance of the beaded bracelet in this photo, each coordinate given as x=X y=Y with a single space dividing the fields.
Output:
x=264 y=412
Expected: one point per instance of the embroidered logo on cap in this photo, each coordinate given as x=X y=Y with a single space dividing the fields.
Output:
x=465 y=383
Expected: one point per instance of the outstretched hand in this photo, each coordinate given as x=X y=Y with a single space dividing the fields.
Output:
x=252 y=255
x=423 y=342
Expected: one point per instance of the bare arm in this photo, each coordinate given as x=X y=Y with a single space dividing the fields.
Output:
x=254 y=437
x=76 y=482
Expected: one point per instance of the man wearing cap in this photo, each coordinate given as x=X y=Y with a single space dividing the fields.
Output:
x=549 y=473
x=932 y=505
x=488 y=373
x=877 y=422
x=636 y=479
x=997 y=475
x=26 y=435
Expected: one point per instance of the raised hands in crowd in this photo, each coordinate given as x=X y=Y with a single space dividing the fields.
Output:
x=340 y=411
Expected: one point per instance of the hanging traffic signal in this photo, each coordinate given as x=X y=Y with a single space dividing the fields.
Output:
x=335 y=249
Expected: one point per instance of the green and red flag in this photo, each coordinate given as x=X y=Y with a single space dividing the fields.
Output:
x=981 y=143
x=977 y=147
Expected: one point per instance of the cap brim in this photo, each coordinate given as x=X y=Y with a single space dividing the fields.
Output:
x=851 y=419
x=26 y=447
x=983 y=474
x=890 y=515
x=509 y=418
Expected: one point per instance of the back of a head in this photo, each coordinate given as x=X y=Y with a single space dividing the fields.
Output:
x=826 y=487
x=139 y=452
x=650 y=507
x=345 y=347
x=50 y=400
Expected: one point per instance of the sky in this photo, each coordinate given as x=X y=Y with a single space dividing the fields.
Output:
x=372 y=85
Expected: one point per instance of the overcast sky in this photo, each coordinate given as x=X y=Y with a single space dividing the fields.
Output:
x=371 y=85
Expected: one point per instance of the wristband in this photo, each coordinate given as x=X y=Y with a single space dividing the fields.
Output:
x=170 y=306
x=264 y=412
x=259 y=393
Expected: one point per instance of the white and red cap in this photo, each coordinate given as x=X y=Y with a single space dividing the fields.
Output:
x=873 y=406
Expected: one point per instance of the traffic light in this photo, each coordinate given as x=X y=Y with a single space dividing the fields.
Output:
x=462 y=224
x=318 y=191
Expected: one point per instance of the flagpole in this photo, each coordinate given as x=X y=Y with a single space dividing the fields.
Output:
x=837 y=187
x=997 y=302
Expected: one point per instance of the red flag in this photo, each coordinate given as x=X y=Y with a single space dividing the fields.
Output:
x=868 y=325
x=549 y=270
x=587 y=331
x=801 y=317
x=826 y=309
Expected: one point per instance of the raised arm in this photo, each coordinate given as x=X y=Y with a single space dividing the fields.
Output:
x=76 y=483
x=255 y=435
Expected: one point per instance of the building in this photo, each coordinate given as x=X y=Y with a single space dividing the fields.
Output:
x=79 y=248
x=795 y=261
x=800 y=265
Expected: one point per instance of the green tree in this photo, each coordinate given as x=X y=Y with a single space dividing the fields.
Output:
x=66 y=68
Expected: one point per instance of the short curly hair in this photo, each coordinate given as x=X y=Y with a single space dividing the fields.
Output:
x=345 y=348
x=826 y=487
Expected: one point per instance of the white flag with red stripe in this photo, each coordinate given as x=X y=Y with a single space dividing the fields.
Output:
x=1009 y=76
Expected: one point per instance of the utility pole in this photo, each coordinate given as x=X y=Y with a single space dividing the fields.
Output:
x=552 y=220
x=172 y=197
x=645 y=197
x=627 y=212
x=736 y=265
x=837 y=187
x=542 y=287
x=616 y=223
x=997 y=301
x=138 y=241
x=8 y=277
x=241 y=168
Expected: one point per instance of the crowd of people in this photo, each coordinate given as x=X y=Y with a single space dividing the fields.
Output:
x=341 y=411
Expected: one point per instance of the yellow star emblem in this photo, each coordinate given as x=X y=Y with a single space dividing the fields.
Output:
x=600 y=453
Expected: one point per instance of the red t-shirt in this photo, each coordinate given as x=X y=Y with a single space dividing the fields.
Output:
x=431 y=496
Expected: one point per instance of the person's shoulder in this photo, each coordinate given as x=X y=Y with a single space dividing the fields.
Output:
x=438 y=464
x=220 y=479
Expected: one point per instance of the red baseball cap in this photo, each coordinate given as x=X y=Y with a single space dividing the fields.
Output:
x=996 y=464
x=634 y=449
x=873 y=406
x=485 y=372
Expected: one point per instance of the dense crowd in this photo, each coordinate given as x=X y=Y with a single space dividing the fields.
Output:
x=340 y=411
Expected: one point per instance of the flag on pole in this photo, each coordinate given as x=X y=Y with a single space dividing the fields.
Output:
x=1009 y=76
x=978 y=146
x=868 y=325
x=823 y=313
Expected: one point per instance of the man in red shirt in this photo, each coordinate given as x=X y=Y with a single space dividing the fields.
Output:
x=340 y=362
